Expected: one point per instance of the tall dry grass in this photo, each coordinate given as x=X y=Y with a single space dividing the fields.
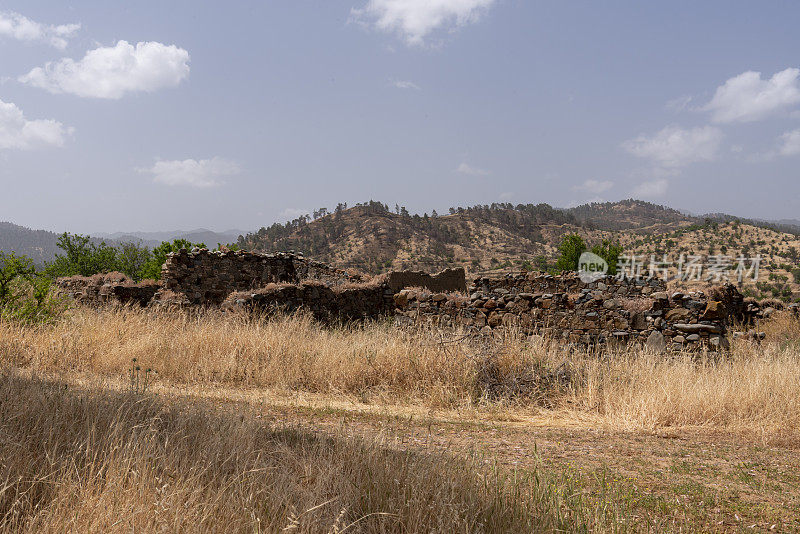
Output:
x=754 y=387
x=95 y=461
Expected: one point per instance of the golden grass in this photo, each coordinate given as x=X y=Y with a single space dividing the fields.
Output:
x=754 y=388
x=94 y=461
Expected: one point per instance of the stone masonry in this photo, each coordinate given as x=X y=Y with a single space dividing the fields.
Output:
x=608 y=310
x=206 y=278
x=605 y=311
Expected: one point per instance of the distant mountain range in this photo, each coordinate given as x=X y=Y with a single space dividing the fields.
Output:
x=152 y=239
x=372 y=237
x=42 y=246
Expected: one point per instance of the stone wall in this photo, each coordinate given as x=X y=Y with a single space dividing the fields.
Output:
x=608 y=310
x=204 y=278
x=605 y=311
x=326 y=303
x=109 y=288
x=444 y=281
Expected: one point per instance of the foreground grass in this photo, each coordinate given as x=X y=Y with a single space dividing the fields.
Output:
x=97 y=461
x=77 y=456
x=754 y=388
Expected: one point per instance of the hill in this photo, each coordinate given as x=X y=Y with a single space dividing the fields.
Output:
x=39 y=245
x=494 y=238
x=371 y=237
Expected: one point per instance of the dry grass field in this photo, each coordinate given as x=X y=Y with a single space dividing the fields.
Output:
x=233 y=423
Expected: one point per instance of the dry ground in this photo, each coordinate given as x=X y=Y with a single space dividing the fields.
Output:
x=674 y=479
x=630 y=440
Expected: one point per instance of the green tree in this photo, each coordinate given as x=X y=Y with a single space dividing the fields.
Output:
x=152 y=268
x=13 y=267
x=82 y=256
x=609 y=251
x=571 y=248
x=131 y=259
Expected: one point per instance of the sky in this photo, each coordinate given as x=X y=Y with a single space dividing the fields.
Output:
x=153 y=115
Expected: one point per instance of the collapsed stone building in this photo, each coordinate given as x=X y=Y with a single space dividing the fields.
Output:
x=608 y=310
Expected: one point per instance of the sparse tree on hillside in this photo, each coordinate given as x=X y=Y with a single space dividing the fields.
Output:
x=571 y=248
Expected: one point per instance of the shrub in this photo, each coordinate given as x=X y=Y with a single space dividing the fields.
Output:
x=571 y=248
x=610 y=252
x=25 y=295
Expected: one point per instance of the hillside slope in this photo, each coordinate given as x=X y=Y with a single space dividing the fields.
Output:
x=39 y=245
x=492 y=239
x=372 y=238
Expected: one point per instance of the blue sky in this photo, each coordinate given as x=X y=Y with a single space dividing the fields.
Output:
x=184 y=114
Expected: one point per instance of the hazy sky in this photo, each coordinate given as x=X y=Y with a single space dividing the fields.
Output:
x=154 y=115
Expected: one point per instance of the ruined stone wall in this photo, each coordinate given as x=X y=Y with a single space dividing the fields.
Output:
x=608 y=310
x=108 y=288
x=207 y=278
x=326 y=303
x=444 y=281
x=605 y=311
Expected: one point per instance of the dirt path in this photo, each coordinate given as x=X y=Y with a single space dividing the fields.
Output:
x=680 y=479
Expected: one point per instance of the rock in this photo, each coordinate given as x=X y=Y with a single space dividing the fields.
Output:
x=494 y=320
x=697 y=328
x=679 y=339
x=610 y=304
x=439 y=297
x=693 y=337
x=401 y=300
x=659 y=295
x=490 y=304
x=638 y=321
x=678 y=314
x=714 y=310
x=655 y=341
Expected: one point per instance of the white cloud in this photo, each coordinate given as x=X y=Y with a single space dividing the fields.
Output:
x=193 y=173
x=747 y=98
x=680 y=103
x=415 y=20
x=652 y=189
x=594 y=186
x=110 y=72
x=405 y=84
x=22 y=28
x=676 y=147
x=471 y=171
x=17 y=132
x=791 y=143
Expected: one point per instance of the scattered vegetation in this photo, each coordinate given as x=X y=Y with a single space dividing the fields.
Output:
x=83 y=256
x=25 y=294
x=385 y=364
